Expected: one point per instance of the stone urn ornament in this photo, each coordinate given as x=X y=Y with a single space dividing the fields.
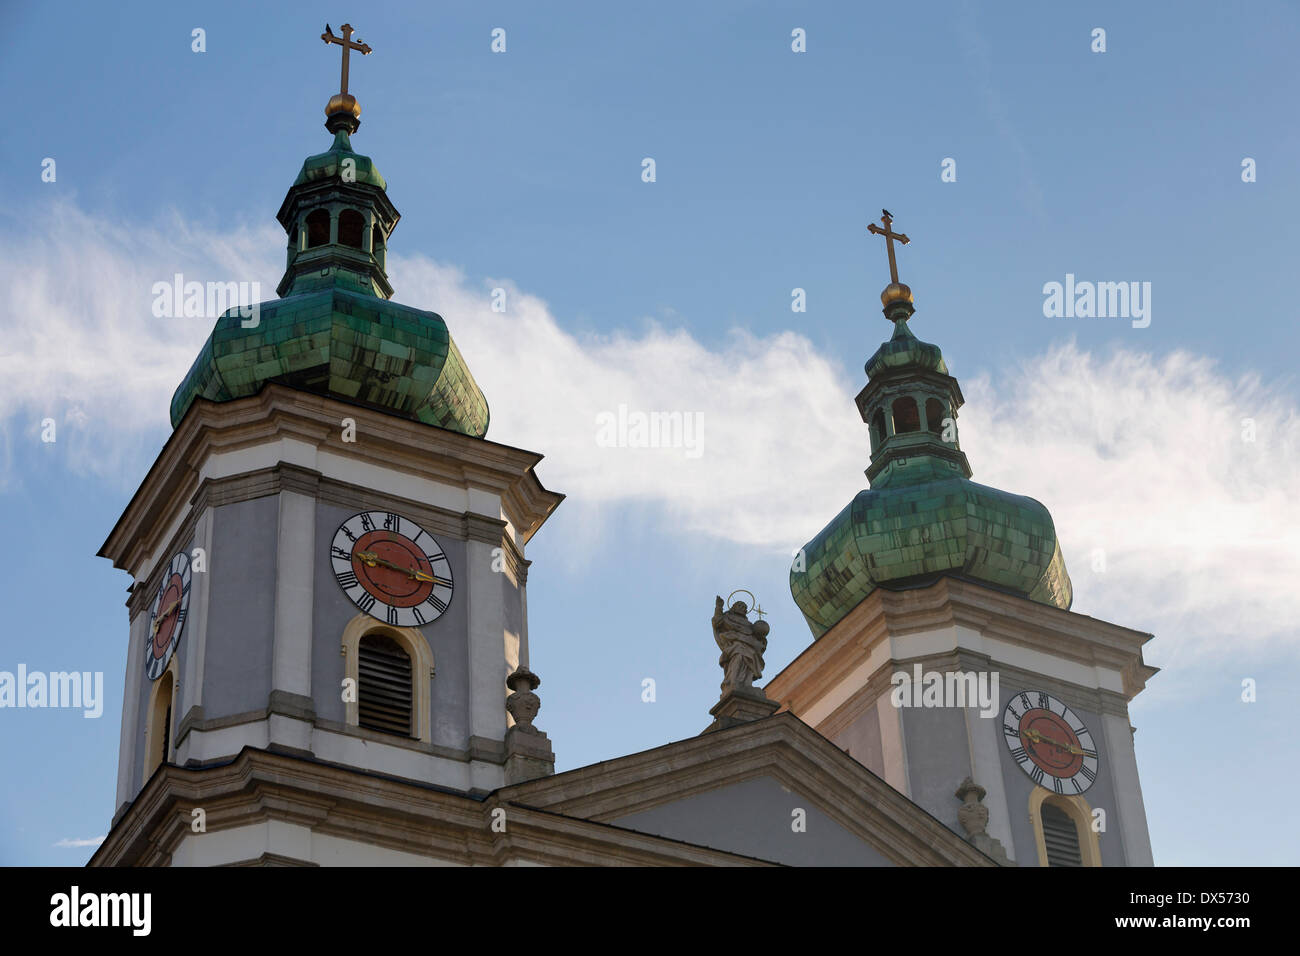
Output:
x=523 y=704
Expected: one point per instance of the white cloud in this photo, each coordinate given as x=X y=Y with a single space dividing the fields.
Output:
x=1139 y=457
x=776 y=427
x=93 y=841
x=1145 y=460
x=81 y=343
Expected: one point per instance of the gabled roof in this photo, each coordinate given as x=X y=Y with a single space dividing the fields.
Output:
x=661 y=791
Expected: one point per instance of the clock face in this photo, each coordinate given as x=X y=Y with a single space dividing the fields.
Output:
x=167 y=615
x=1050 y=742
x=391 y=568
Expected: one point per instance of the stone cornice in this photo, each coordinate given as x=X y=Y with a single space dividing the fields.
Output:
x=279 y=412
x=258 y=785
x=951 y=602
x=879 y=684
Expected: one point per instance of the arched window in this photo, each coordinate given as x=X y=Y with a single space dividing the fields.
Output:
x=352 y=227
x=934 y=415
x=1063 y=829
x=376 y=238
x=318 y=228
x=158 y=731
x=372 y=664
x=383 y=685
x=1060 y=838
x=877 y=429
x=907 y=418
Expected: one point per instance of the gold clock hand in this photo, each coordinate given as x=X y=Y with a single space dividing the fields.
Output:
x=163 y=616
x=1038 y=737
x=370 y=559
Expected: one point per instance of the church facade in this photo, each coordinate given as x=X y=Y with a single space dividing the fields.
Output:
x=328 y=651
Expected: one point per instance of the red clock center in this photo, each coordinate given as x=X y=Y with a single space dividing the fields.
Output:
x=391 y=577
x=1050 y=743
x=167 y=616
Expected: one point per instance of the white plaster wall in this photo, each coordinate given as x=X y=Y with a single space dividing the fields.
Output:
x=290 y=840
x=893 y=745
x=195 y=633
x=132 y=725
x=487 y=649
x=1128 y=791
x=294 y=599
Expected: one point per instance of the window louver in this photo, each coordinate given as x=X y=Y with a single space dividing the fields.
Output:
x=1061 y=838
x=384 y=686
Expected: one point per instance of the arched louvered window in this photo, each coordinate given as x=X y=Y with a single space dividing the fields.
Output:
x=1061 y=837
x=383 y=685
x=352 y=226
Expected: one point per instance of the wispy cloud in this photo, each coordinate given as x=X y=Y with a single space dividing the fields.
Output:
x=81 y=344
x=93 y=841
x=1141 y=460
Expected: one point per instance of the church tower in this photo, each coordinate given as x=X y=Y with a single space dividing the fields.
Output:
x=328 y=563
x=945 y=656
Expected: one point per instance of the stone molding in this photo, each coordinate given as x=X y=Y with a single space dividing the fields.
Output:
x=277 y=412
x=1077 y=696
x=479 y=748
x=264 y=482
x=949 y=603
x=258 y=785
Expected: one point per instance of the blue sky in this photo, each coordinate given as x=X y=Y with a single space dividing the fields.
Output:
x=523 y=170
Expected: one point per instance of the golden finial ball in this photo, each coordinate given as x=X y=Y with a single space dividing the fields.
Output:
x=343 y=103
x=895 y=292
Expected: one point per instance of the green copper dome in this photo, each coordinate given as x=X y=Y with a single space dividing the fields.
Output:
x=922 y=516
x=905 y=350
x=340 y=160
x=334 y=330
x=347 y=345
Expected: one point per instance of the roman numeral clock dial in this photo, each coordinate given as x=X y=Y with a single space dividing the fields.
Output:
x=167 y=615
x=1049 y=742
x=391 y=568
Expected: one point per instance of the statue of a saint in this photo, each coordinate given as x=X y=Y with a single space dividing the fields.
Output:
x=742 y=643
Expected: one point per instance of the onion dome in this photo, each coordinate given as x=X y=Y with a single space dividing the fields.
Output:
x=922 y=516
x=338 y=161
x=334 y=329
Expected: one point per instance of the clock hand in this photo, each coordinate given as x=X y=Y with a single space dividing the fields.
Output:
x=1038 y=737
x=371 y=559
x=163 y=616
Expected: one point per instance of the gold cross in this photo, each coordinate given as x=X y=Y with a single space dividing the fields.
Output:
x=890 y=236
x=759 y=611
x=348 y=45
